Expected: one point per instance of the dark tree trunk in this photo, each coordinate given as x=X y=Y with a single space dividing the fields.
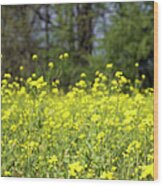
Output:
x=47 y=31
x=85 y=31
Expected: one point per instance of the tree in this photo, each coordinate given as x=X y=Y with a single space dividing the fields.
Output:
x=16 y=37
x=130 y=38
x=92 y=33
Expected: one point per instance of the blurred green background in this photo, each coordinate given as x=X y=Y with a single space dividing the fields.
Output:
x=93 y=35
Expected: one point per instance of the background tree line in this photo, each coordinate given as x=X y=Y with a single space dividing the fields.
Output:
x=93 y=34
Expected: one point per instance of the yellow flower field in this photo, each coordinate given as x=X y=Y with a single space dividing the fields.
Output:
x=97 y=130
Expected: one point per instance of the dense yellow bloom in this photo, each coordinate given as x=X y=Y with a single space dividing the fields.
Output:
x=99 y=129
x=39 y=83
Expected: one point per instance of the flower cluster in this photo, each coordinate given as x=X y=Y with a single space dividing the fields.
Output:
x=101 y=129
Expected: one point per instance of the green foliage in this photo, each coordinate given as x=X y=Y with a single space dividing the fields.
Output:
x=130 y=38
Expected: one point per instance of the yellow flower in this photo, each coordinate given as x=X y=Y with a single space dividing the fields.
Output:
x=90 y=173
x=13 y=128
x=131 y=88
x=82 y=75
x=75 y=168
x=53 y=159
x=55 y=91
x=136 y=64
x=81 y=84
x=107 y=175
x=109 y=65
x=21 y=79
x=66 y=114
x=21 y=68
x=50 y=65
x=132 y=146
x=97 y=73
x=34 y=57
x=101 y=135
x=118 y=74
x=114 y=168
x=143 y=76
x=57 y=81
x=22 y=91
x=34 y=75
x=29 y=80
x=82 y=136
x=40 y=158
x=66 y=55
x=123 y=80
x=147 y=170
x=137 y=81
x=7 y=173
x=40 y=79
x=95 y=118
x=7 y=76
x=61 y=56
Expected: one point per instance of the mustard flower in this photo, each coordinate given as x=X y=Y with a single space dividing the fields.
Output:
x=50 y=65
x=34 y=57
x=21 y=68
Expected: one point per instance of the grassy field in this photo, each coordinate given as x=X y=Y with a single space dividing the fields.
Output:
x=101 y=129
